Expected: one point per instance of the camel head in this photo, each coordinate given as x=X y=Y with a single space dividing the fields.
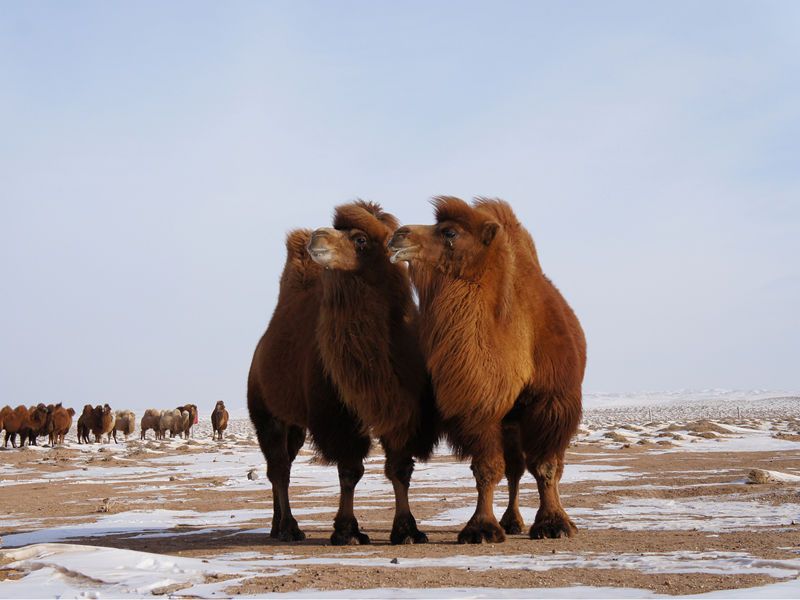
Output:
x=457 y=244
x=38 y=415
x=356 y=240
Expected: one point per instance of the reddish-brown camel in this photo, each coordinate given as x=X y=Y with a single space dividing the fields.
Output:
x=15 y=422
x=506 y=354
x=341 y=358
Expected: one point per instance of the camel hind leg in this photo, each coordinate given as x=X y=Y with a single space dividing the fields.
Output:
x=548 y=424
x=272 y=436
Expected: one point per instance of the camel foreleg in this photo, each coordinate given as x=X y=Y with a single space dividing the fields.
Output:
x=398 y=469
x=487 y=467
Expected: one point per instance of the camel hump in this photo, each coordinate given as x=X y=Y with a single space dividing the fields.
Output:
x=500 y=210
x=367 y=216
x=450 y=208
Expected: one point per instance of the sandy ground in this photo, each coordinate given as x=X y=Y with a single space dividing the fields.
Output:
x=661 y=505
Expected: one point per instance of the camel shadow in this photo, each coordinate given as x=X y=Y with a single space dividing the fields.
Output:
x=184 y=539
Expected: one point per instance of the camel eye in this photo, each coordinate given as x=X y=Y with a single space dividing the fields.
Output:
x=361 y=242
x=449 y=234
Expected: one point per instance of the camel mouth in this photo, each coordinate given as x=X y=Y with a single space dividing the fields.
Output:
x=320 y=255
x=406 y=253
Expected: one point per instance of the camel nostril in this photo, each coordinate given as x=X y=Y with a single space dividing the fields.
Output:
x=399 y=236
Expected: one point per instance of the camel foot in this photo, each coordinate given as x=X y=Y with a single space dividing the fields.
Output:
x=347 y=533
x=553 y=525
x=404 y=531
x=476 y=532
x=288 y=531
x=512 y=522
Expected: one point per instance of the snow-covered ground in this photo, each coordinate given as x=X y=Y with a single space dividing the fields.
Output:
x=665 y=468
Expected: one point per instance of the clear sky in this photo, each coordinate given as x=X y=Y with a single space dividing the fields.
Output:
x=153 y=155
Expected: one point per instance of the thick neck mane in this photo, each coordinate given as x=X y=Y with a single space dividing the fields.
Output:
x=358 y=321
x=361 y=314
x=474 y=333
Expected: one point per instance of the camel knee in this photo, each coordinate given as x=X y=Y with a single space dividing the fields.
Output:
x=400 y=470
x=488 y=472
x=278 y=470
x=547 y=472
x=350 y=475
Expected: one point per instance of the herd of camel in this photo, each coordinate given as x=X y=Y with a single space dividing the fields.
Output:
x=101 y=422
x=490 y=358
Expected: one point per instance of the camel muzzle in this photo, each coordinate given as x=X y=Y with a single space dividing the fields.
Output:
x=400 y=246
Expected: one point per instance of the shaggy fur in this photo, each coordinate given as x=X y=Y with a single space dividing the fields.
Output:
x=150 y=420
x=85 y=424
x=102 y=423
x=219 y=420
x=124 y=422
x=505 y=351
x=340 y=358
x=36 y=424
x=187 y=428
x=172 y=421
x=62 y=421
x=14 y=422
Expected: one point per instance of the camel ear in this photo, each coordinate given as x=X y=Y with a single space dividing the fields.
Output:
x=71 y=412
x=489 y=231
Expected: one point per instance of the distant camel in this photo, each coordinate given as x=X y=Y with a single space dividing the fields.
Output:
x=219 y=420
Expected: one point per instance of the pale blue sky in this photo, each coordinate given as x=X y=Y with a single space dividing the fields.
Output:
x=153 y=155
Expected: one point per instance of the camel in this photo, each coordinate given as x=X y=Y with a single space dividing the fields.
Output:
x=150 y=420
x=61 y=422
x=506 y=355
x=192 y=409
x=124 y=422
x=219 y=420
x=36 y=424
x=340 y=358
x=15 y=421
x=85 y=424
x=102 y=423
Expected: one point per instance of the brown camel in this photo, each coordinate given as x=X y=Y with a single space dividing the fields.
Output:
x=219 y=420
x=102 y=423
x=36 y=424
x=62 y=421
x=15 y=421
x=85 y=424
x=341 y=358
x=506 y=355
x=192 y=410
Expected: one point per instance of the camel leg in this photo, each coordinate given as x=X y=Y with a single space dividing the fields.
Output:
x=398 y=469
x=547 y=427
x=272 y=437
x=345 y=526
x=511 y=520
x=487 y=467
